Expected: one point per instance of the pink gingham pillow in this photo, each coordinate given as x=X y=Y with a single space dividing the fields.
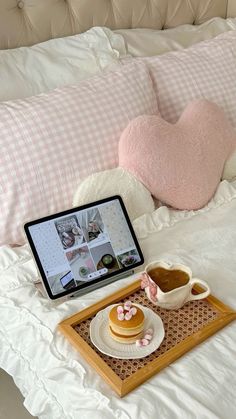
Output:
x=50 y=142
x=205 y=71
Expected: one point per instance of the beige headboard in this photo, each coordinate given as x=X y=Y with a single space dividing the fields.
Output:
x=26 y=22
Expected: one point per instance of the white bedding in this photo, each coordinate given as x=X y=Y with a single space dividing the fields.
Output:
x=55 y=380
x=147 y=42
x=28 y=71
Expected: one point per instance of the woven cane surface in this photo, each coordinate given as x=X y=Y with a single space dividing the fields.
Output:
x=178 y=325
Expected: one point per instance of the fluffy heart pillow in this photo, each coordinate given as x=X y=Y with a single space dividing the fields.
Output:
x=180 y=164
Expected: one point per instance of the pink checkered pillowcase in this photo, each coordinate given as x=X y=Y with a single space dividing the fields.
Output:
x=50 y=142
x=206 y=70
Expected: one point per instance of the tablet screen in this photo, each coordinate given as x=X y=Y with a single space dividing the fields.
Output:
x=84 y=245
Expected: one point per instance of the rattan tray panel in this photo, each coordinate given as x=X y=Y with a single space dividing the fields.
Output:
x=184 y=329
x=178 y=324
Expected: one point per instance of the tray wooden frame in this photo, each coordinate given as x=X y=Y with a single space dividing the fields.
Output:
x=122 y=387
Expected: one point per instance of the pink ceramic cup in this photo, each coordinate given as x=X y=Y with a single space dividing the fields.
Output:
x=177 y=297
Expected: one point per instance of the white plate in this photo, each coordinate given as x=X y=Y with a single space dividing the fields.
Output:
x=100 y=336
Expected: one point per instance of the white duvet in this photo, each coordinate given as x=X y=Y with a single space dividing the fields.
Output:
x=142 y=42
x=56 y=381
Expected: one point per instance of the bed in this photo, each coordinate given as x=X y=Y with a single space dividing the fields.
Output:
x=54 y=379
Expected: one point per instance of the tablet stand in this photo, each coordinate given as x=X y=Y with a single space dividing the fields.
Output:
x=84 y=291
x=103 y=283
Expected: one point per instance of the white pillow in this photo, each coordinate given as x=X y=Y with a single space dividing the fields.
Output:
x=28 y=71
x=137 y=199
x=148 y=42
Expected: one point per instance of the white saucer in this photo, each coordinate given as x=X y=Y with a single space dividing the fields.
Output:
x=100 y=336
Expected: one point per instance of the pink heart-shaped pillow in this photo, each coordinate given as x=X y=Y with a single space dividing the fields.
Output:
x=180 y=164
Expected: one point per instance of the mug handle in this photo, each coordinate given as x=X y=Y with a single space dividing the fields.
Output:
x=204 y=294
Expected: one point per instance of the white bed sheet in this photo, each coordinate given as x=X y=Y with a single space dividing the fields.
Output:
x=55 y=380
x=146 y=42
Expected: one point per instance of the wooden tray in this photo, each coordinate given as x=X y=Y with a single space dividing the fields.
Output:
x=184 y=329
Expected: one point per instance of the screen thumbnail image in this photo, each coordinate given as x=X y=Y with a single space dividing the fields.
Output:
x=69 y=231
x=129 y=258
x=61 y=282
x=92 y=226
x=81 y=263
x=104 y=257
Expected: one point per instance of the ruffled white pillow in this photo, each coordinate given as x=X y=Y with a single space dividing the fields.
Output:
x=136 y=197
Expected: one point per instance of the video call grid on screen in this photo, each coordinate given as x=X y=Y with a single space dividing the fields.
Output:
x=83 y=245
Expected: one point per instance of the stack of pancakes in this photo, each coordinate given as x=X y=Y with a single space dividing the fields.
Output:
x=126 y=331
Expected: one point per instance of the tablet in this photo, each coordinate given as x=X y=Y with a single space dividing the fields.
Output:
x=83 y=246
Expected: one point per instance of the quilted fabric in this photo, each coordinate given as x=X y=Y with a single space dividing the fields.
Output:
x=180 y=164
x=25 y=22
x=50 y=142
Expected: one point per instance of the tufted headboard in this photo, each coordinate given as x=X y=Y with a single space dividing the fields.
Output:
x=26 y=22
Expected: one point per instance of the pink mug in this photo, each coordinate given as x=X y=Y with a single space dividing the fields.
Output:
x=177 y=297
